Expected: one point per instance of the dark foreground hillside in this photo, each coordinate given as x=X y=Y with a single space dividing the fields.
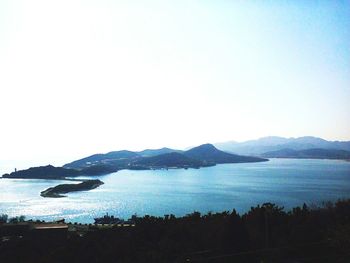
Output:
x=265 y=234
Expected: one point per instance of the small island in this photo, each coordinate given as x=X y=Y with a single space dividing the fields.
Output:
x=60 y=189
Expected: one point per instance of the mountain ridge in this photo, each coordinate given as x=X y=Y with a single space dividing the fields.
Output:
x=273 y=143
x=313 y=153
x=200 y=156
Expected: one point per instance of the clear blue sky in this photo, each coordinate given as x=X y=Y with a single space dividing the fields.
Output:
x=79 y=77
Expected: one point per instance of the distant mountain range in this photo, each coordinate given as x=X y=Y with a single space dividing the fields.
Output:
x=267 y=145
x=200 y=156
x=164 y=158
x=314 y=153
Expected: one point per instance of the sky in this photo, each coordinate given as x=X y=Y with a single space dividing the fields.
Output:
x=82 y=77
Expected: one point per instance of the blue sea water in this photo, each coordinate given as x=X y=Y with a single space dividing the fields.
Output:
x=286 y=182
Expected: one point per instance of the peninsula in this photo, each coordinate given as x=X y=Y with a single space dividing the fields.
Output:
x=43 y=172
x=98 y=164
x=201 y=156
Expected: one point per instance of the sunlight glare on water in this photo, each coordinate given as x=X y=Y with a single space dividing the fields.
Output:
x=286 y=182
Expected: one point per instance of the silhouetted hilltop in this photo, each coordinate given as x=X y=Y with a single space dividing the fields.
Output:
x=309 y=154
x=44 y=172
x=208 y=153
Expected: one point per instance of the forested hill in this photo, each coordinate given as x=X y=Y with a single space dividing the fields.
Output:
x=208 y=153
x=168 y=160
x=196 y=157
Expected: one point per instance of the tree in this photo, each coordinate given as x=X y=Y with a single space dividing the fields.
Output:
x=3 y=218
x=17 y=219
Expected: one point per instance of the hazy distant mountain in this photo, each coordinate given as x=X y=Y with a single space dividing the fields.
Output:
x=314 y=153
x=208 y=153
x=273 y=143
x=154 y=152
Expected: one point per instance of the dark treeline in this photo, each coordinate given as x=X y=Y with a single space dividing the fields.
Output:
x=266 y=233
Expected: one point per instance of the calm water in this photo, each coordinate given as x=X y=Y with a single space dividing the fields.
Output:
x=286 y=182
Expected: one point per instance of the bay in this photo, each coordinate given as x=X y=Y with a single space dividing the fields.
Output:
x=285 y=182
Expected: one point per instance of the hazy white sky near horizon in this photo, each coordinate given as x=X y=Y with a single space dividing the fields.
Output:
x=81 y=77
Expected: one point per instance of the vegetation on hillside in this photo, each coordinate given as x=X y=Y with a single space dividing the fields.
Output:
x=168 y=160
x=266 y=233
